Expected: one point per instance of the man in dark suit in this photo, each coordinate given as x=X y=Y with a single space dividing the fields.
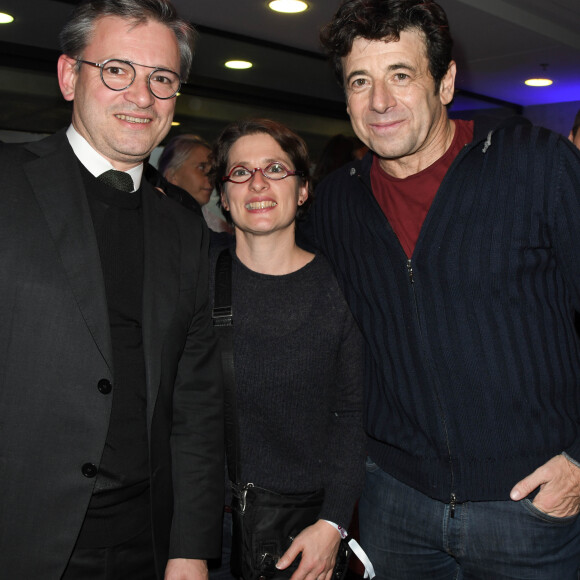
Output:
x=111 y=425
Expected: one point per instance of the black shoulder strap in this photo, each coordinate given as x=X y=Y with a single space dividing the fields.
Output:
x=224 y=325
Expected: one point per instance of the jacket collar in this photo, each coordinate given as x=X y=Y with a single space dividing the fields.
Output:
x=484 y=128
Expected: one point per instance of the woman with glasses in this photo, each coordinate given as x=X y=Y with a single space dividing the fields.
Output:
x=297 y=351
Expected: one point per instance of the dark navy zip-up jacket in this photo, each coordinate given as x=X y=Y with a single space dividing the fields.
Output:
x=472 y=374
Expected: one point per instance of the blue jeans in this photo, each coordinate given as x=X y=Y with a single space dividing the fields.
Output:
x=409 y=536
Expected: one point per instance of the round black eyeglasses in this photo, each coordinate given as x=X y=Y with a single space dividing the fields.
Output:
x=119 y=75
x=275 y=171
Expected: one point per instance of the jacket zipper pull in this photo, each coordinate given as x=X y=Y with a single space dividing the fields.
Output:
x=452 y=505
x=410 y=271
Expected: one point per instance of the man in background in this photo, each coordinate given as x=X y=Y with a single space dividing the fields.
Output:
x=185 y=162
x=111 y=426
x=458 y=248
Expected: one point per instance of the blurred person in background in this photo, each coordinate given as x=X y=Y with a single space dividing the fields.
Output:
x=185 y=162
x=574 y=135
x=339 y=150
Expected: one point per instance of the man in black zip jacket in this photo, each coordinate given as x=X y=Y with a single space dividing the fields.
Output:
x=458 y=249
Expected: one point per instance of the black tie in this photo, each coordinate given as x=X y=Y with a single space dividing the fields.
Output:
x=117 y=179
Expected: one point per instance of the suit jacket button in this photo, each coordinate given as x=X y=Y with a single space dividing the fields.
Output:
x=89 y=470
x=105 y=386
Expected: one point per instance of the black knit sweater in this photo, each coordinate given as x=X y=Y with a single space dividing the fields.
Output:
x=119 y=507
x=472 y=374
x=298 y=369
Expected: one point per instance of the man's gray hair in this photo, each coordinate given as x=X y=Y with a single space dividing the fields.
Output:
x=177 y=151
x=78 y=31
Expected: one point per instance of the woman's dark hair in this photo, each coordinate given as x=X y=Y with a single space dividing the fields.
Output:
x=385 y=20
x=289 y=142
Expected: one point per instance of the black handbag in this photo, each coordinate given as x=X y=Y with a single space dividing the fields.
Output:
x=264 y=522
x=264 y=525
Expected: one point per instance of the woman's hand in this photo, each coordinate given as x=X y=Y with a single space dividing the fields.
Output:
x=318 y=544
x=186 y=569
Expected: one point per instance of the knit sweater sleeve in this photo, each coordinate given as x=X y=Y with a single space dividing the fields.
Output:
x=344 y=469
x=566 y=220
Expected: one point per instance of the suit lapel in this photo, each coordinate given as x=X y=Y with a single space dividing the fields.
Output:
x=160 y=285
x=57 y=184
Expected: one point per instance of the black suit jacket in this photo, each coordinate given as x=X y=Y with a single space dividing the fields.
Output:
x=55 y=346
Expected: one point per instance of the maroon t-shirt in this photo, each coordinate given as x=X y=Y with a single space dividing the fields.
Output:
x=406 y=201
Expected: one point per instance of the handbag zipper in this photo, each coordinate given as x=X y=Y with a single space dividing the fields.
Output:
x=243 y=495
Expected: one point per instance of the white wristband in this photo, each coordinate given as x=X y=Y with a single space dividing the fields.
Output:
x=356 y=549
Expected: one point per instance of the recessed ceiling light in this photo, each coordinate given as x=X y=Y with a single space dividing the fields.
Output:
x=538 y=82
x=288 y=6
x=542 y=81
x=6 y=18
x=238 y=64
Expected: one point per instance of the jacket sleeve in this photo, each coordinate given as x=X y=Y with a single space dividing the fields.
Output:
x=197 y=437
x=566 y=181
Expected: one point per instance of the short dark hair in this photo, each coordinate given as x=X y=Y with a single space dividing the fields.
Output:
x=385 y=20
x=576 y=124
x=338 y=151
x=291 y=143
x=80 y=27
x=177 y=151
